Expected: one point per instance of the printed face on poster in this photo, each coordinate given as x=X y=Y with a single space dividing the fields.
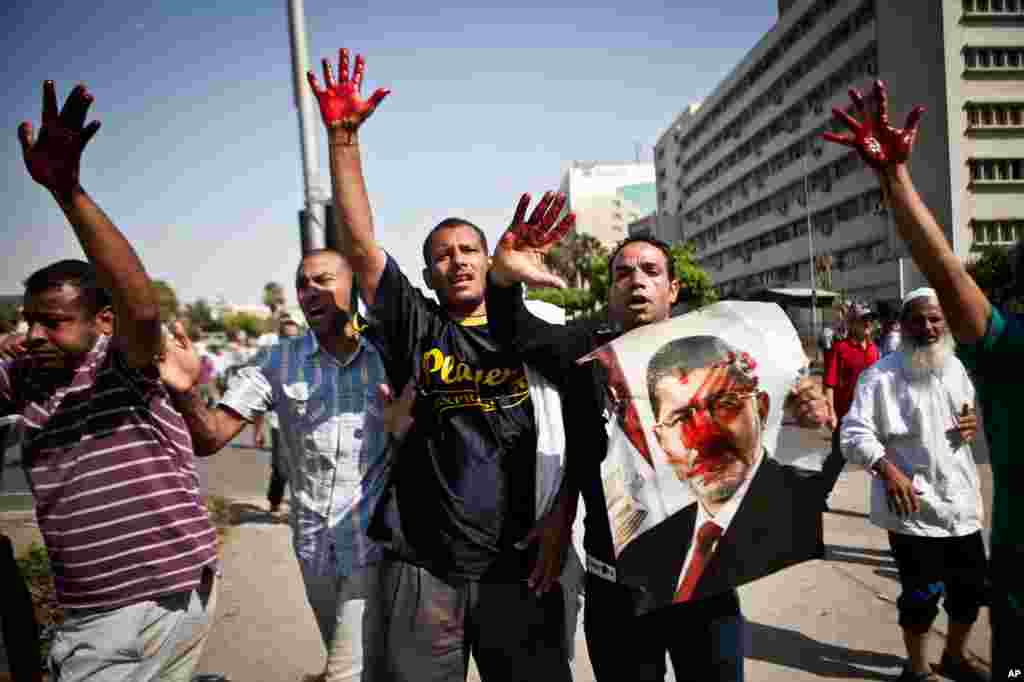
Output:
x=695 y=500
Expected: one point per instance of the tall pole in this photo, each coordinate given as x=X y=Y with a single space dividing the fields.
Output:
x=810 y=252
x=311 y=225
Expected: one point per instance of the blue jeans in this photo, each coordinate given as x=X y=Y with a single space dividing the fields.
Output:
x=160 y=639
x=705 y=639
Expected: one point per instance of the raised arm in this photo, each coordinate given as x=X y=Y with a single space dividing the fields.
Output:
x=53 y=160
x=343 y=111
x=211 y=429
x=519 y=259
x=887 y=149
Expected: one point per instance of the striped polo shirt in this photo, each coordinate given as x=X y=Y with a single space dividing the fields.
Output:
x=111 y=467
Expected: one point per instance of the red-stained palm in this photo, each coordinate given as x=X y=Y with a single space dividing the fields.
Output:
x=878 y=143
x=54 y=160
x=519 y=255
x=341 y=105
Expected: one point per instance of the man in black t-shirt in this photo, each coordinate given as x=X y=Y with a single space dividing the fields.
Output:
x=458 y=578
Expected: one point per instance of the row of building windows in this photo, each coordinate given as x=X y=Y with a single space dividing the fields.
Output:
x=774 y=94
x=993 y=58
x=818 y=181
x=799 y=271
x=996 y=170
x=812 y=143
x=790 y=122
x=862 y=65
x=997 y=232
x=995 y=114
x=823 y=222
x=993 y=6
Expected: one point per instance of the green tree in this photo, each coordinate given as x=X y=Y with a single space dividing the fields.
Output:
x=199 y=315
x=697 y=289
x=993 y=271
x=573 y=301
x=167 y=300
x=9 y=316
x=250 y=324
x=273 y=296
x=573 y=258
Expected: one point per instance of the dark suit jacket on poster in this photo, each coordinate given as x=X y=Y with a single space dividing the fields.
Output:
x=778 y=524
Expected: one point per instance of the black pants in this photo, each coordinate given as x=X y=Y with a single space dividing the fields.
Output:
x=832 y=466
x=705 y=639
x=18 y=618
x=953 y=569
x=1006 y=617
x=278 y=470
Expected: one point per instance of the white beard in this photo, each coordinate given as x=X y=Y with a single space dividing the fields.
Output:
x=923 y=361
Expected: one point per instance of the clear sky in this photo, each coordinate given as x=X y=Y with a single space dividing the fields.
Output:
x=198 y=158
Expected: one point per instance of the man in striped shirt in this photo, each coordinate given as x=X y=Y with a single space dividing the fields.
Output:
x=109 y=461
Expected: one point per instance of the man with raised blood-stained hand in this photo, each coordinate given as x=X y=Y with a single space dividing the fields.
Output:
x=703 y=637
x=109 y=460
x=463 y=573
x=990 y=344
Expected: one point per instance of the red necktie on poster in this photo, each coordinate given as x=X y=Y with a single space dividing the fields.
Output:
x=706 y=537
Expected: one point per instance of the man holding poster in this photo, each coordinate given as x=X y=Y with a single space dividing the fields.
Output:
x=612 y=461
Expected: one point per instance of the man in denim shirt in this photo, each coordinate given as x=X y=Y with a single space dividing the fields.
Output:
x=323 y=388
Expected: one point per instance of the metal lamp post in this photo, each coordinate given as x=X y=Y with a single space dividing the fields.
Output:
x=311 y=217
x=810 y=260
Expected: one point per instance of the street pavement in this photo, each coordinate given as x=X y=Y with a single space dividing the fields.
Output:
x=833 y=619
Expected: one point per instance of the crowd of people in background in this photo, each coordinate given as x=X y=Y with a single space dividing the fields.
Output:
x=425 y=534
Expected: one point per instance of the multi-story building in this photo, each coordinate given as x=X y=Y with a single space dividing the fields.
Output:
x=746 y=173
x=646 y=226
x=606 y=197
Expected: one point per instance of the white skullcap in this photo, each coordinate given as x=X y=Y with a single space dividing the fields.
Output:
x=923 y=292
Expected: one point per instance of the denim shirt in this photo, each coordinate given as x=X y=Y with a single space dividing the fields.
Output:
x=331 y=419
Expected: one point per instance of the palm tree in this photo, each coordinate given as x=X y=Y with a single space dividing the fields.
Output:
x=273 y=296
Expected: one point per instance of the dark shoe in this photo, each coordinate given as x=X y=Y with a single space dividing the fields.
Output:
x=910 y=676
x=970 y=668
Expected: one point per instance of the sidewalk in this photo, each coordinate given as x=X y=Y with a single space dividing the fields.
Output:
x=824 y=620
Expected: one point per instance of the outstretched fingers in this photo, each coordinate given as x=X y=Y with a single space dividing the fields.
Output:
x=560 y=230
x=913 y=119
x=882 y=101
x=850 y=122
x=76 y=108
x=25 y=136
x=840 y=139
x=357 y=77
x=314 y=83
x=858 y=101
x=542 y=206
x=343 y=65
x=329 y=83
x=554 y=211
x=50 y=111
x=376 y=98
x=524 y=203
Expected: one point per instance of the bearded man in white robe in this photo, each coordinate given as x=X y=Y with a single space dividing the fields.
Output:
x=911 y=424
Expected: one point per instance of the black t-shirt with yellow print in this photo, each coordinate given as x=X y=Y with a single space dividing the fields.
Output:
x=464 y=476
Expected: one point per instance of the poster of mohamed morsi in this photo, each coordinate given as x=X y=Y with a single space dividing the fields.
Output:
x=697 y=502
